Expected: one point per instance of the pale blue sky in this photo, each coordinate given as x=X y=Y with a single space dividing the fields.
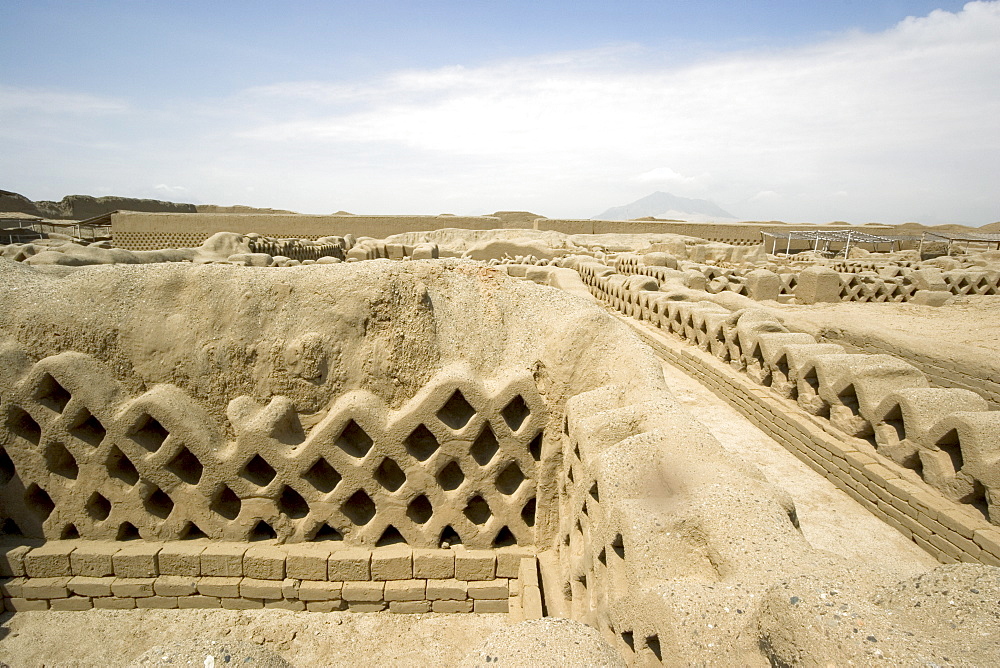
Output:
x=843 y=109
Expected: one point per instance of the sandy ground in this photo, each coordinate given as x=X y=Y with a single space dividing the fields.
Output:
x=829 y=519
x=116 y=637
x=969 y=325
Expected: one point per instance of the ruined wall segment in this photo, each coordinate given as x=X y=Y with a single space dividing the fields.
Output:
x=906 y=432
x=150 y=231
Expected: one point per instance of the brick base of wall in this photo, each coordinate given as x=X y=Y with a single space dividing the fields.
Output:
x=83 y=575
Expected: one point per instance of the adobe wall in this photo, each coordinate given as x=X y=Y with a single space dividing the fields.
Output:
x=150 y=231
x=737 y=234
x=332 y=413
x=83 y=575
x=929 y=457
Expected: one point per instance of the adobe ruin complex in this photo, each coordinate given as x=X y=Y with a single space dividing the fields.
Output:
x=439 y=415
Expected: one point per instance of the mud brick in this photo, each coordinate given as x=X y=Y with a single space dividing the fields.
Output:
x=50 y=560
x=392 y=563
x=366 y=606
x=25 y=605
x=989 y=540
x=263 y=589
x=531 y=602
x=509 y=560
x=447 y=590
x=490 y=606
x=12 y=588
x=12 y=560
x=199 y=602
x=434 y=564
x=493 y=590
x=307 y=561
x=157 y=602
x=451 y=606
x=325 y=606
x=181 y=558
x=114 y=603
x=405 y=590
x=93 y=558
x=351 y=564
x=290 y=588
x=282 y=604
x=86 y=586
x=961 y=522
x=133 y=587
x=137 y=560
x=220 y=586
x=528 y=572
x=45 y=588
x=362 y=591
x=264 y=562
x=409 y=607
x=312 y=590
x=175 y=585
x=242 y=603
x=71 y=603
x=475 y=565
x=222 y=560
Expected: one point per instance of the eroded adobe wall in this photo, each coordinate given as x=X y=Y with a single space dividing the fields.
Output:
x=902 y=431
x=372 y=402
x=133 y=230
x=682 y=554
x=737 y=234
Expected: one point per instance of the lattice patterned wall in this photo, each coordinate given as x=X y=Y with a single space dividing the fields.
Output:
x=457 y=463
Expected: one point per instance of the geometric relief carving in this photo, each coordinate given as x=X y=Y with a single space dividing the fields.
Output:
x=456 y=464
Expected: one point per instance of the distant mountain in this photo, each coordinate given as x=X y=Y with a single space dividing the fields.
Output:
x=668 y=207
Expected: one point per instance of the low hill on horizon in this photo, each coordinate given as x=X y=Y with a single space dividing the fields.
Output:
x=82 y=207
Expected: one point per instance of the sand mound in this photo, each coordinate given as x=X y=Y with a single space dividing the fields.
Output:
x=210 y=654
x=544 y=642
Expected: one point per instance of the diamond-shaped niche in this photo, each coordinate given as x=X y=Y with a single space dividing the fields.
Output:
x=322 y=476
x=186 y=466
x=451 y=476
x=421 y=443
x=389 y=475
x=360 y=508
x=61 y=461
x=354 y=440
x=456 y=412
x=485 y=446
x=258 y=471
x=51 y=394
x=515 y=412
x=292 y=504
x=509 y=479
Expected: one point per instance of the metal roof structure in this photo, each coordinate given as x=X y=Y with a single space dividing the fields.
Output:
x=988 y=237
x=832 y=235
x=846 y=237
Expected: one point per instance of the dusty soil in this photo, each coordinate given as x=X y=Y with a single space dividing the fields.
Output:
x=970 y=322
x=117 y=637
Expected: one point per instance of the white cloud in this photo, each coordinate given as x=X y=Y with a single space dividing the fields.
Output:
x=893 y=117
x=170 y=190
